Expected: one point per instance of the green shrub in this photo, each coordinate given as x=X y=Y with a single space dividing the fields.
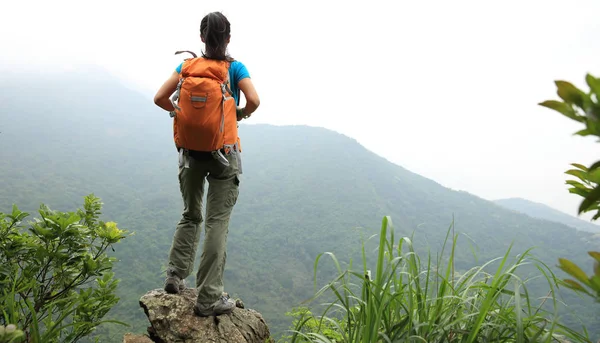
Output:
x=583 y=107
x=56 y=280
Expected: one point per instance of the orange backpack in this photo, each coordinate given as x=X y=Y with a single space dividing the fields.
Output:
x=205 y=111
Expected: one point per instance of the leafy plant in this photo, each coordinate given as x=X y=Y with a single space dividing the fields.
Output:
x=583 y=107
x=303 y=317
x=56 y=280
x=406 y=301
x=10 y=334
x=589 y=285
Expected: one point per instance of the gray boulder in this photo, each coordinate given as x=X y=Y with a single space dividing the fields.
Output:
x=172 y=320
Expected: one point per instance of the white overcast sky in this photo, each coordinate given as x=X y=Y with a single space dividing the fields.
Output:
x=447 y=89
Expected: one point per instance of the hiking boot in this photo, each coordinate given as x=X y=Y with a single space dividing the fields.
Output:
x=174 y=284
x=222 y=306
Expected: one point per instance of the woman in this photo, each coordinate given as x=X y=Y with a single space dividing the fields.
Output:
x=220 y=168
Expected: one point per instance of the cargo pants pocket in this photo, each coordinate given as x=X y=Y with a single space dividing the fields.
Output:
x=233 y=193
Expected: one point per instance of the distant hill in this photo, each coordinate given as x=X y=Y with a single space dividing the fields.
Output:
x=541 y=211
x=304 y=191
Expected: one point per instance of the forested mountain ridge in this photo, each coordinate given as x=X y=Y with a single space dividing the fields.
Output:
x=304 y=191
x=541 y=211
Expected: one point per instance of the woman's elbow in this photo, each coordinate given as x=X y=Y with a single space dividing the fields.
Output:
x=254 y=102
x=163 y=102
x=157 y=99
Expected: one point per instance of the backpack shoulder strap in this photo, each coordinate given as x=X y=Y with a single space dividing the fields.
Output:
x=226 y=85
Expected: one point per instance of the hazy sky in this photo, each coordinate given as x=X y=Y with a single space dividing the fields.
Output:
x=447 y=89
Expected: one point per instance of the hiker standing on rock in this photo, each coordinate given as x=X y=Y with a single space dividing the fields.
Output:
x=205 y=110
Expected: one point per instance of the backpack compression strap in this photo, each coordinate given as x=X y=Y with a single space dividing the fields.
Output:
x=224 y=91
x=175 y=97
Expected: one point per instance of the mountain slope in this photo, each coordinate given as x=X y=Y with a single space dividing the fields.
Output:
x=541 y=211
x=304 y=191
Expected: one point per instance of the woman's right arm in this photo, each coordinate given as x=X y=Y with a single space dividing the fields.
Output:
x=161 y=99
x=251 y=96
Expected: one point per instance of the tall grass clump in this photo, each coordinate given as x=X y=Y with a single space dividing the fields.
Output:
x=409 y=300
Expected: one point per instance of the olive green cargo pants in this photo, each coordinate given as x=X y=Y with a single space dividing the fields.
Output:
x=223 y=190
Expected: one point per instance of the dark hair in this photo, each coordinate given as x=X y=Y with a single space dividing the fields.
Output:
x=215 y=30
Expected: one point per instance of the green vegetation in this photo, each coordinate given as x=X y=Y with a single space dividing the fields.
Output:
x=56 y=279
x=545 y=212
x=583 y=107
x=407 y=301
x=10 y=334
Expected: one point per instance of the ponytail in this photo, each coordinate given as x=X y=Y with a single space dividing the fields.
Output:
x=215 y=30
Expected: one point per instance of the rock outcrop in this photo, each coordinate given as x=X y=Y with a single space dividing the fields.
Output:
x=172 y=320
x=131 y=338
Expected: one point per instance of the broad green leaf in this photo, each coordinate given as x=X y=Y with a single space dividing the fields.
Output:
x=570 y=94
x=576 y=184
x=595 y=255
x=595 y=166
x=578 y=173
x=594 y=176
x=583 y=133
x=592 y=112
x=579 y=191
x=580 y=166
x=15 y=211
x=17 y=215
x=595 y=283
x=574 y=284
x=573 y=270
x=42 y=232
x=594 y=84
x=563 y=108
x=593 y=126
x=592 y=198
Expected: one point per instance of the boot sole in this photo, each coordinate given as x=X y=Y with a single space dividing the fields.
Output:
x=172 y=288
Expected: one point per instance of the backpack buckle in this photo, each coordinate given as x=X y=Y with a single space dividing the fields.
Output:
x=184 y=158
x=218 y=155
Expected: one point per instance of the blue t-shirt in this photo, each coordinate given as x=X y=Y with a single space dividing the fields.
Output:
x=237 y=72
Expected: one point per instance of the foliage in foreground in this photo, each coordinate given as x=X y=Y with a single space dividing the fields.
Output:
x=583 y=107
x=10 y=334
x=56 y=280
x=406 y=302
